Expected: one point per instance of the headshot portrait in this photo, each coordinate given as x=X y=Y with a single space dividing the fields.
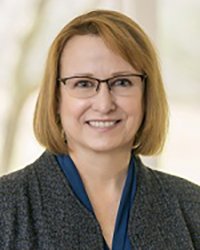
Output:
x=102 y=106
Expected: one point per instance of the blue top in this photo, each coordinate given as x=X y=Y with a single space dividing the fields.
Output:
x=120 y=237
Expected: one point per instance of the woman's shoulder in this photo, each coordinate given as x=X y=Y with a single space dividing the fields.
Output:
x=12 y=184
x=9 y=183
x=21 y=200
x=186 y=196
x=183 y=189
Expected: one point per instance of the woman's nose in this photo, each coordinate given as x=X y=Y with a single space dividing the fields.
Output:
x=104 y=101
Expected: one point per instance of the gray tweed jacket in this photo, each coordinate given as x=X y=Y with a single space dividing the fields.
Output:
x=38 y=210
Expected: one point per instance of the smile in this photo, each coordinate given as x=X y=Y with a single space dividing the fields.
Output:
x=102 y=124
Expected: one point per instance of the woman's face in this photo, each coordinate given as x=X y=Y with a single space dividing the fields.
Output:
x=103 y=122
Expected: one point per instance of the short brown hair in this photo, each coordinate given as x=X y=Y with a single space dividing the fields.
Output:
x=125 y=37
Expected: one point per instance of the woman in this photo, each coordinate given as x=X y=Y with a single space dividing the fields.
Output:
x=101 y=105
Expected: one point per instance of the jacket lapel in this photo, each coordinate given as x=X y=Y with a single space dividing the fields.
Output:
x=156 y=220
x=69 y=224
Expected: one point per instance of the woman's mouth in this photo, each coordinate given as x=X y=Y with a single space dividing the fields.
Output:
x=103 y=124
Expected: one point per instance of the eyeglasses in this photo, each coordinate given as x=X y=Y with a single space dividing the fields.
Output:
x=85 y=86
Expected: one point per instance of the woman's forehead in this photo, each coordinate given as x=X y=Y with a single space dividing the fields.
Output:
x=89 y=54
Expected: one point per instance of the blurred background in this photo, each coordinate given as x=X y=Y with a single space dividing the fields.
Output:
x=27 y=29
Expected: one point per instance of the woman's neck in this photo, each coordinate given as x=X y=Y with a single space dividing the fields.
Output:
x=102 y=168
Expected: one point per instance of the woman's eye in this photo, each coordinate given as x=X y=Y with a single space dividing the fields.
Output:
x=122 y=83
x=83 y=84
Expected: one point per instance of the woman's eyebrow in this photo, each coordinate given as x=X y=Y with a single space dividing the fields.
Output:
x=112 y=74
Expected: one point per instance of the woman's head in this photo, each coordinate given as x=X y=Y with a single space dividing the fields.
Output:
x=125 y=38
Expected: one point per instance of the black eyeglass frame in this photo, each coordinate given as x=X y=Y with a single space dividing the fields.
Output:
x=63 y=80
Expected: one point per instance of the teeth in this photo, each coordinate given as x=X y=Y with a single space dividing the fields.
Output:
x=101 y=124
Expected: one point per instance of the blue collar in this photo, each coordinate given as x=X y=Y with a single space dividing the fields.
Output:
x=120 y=238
